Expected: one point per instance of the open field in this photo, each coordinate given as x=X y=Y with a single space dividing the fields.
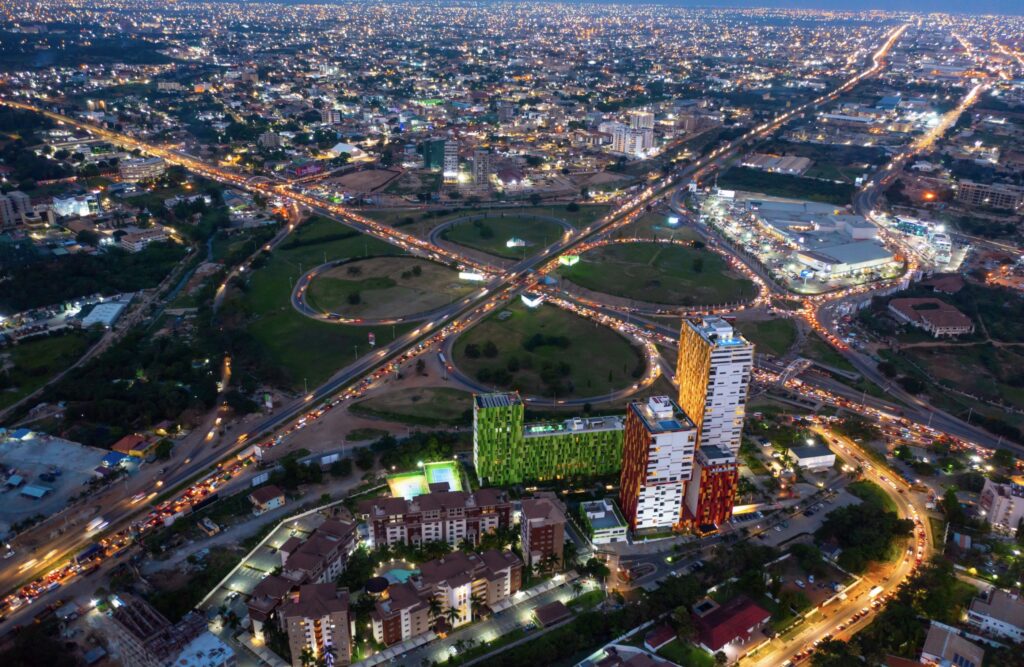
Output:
x=655 y=225
x=784 y=185
x=385 y=287
x=660 y=273
x=366 y=180
x=303 y=348
x=31 y=363
x=418 y=221
x=548 y=351
x=769 y=336
x=993 y=373
x=491 y=234
x=429 y=406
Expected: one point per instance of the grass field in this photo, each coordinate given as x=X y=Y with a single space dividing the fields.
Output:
x=548 y=351
x=770 y=336
x=983 y=370
x=430 y=406
x=655 y=225
x=686 y=654
x=870 y=492
x=784 y=185
x=32 y=363
x=302 y=347
x=817 y=349
x=660 y=273
x=385 y=287
x=491 y=234
x=426 y=220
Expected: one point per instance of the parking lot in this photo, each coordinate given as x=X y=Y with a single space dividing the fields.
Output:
x=807 y=521
x=70 y=463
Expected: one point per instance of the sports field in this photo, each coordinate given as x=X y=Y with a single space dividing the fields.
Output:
x=416 y=483
x=385 y=287
x=660 y=273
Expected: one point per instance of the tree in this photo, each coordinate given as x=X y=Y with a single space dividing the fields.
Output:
x=490 y=349
x=721 y=658
x=434 y=608
x=452 y=615
x=341 y=467
x=477 y=604
x=163 y=449
x=306 y=657
x=535 y=199
x=570 y=555
x=577 y=587
x=682 y=621
x=365 y=458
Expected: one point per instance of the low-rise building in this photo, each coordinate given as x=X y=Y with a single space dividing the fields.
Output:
x=141 y=169
x=990 y=195
x=138 y=240
x=316 y=619
x=603 y=521
x=265 y=499
x=463 y=582
x=998 y=613
x=445 y=516
x=542 y=532
x=813 y=457
x=734 y=622
x=933 y=315
x=944 y=647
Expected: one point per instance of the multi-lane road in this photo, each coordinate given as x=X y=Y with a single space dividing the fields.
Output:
x=369 y=369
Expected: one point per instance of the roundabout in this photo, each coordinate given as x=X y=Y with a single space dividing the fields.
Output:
x=379 y=291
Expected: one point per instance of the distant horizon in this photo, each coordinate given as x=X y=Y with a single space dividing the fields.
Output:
x=980 y=7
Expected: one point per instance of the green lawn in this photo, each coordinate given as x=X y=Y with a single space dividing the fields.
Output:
x=383 y=287
x=817 y=349
x=429 y=406
x=33 y=362
x=586 y=214
x=491 y=234
x=660 y=273
x=548 y=351
x=655 y=225
x=301 y=347
x=870 y=492
x=686 y=654
x=770 y=336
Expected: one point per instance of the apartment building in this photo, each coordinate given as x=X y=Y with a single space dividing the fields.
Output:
x=542 y=531
x=712 y=491
x=657 y=462
x=715 y=363
x=460 y=581
x=316 y=617
x=321 y=557
x=990 y=195
x=1002 y=505
x=15 y=207
x=998 y=613
x=446 y=516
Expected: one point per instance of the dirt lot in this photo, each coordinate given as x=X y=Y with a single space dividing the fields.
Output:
x=367 y=180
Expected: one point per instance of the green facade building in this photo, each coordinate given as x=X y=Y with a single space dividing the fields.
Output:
x=508 y=451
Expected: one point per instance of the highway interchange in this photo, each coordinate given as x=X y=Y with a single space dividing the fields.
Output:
x=444 y=324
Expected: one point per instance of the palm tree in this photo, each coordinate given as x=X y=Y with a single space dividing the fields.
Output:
x=452 y=615
x=466 y=544
x=434 y=608
x=306 y=657
x=549 y=562
x=570 y=555
x=477 y=603
x=577 y=588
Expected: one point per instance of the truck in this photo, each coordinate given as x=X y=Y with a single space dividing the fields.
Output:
x=88 y=553
x=873 y=593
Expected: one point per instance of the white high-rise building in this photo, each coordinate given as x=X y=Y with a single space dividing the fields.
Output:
x=450 y=168
x=713 y=372
x=641 y=120
x=632 y=141
x=657 y=461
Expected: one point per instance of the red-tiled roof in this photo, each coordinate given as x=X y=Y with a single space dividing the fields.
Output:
x=731 y=620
